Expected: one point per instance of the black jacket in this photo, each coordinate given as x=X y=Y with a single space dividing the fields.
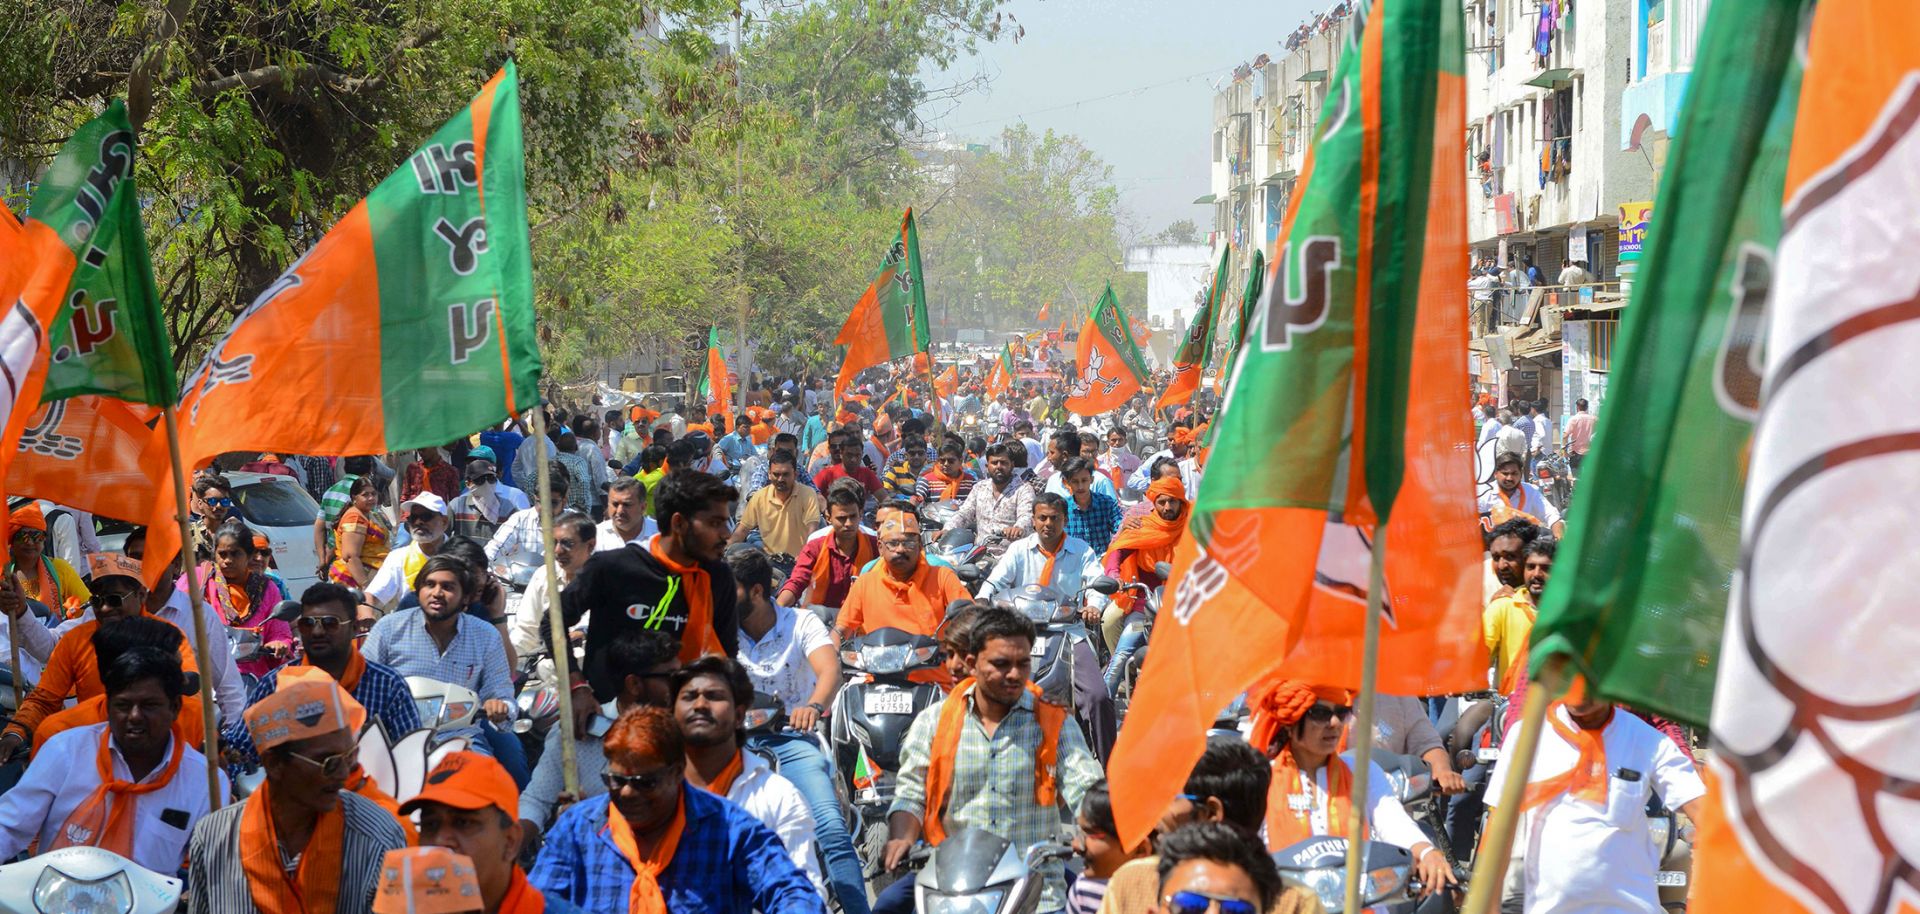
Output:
x=618 y=591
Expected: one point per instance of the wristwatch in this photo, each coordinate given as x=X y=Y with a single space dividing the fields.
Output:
x=817 y=709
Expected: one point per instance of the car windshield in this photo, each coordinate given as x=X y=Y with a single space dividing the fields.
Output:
x=275 y=504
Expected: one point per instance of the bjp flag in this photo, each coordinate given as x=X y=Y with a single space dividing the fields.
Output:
x=1190 y=362
x=1045 y=310
x=1108 y=366
x=948 y=381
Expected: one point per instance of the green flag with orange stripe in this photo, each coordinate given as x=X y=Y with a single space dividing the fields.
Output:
x=1342 y=423
x=890 y=320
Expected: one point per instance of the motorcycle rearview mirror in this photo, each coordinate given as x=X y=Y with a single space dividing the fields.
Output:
x=1104 y=585
x=190 y=683
x=286 y=610
x=1163 y=569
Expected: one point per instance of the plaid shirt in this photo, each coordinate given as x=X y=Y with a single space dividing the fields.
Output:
x=380 y=690
x=726 y=861
x=475 y=659
x=993 y=782
x=521 y=533
x=1097 y=523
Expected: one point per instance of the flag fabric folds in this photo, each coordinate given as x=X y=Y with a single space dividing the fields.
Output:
x=1343 y=416
x=946 y=382
x=714 y=384
x=1046 y=313
x=1639 y=593
x=1000 y=379
x=890 y=320
x=1817 y=700
x=1109 y=367
x=1249 y=297
x=410 y=324
x=1190 y=361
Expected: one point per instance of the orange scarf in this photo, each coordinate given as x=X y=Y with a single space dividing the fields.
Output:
x=315 y=886
x=722 y=783
x=1587 y=779
x=105 y=818
x=950 y=484
x=1152 y=540
x=864 y=551
x=1288 y=824
x=1046 y=571
x=946 y=749
x=522 y=897
x=349 y=678
x=697 y=587
x=645 y=897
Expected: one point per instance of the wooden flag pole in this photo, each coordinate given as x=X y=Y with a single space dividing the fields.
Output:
x=13 y=636
x=211 y=741
x=556 y=617
x=933 y=393
x=1362 y=733
x=1496 y=846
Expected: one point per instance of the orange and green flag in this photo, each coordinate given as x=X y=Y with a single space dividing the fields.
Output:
x=1109 y=367
x=410 y=324
x=1190 y=361
x=1249 y=297
x=1001 y=378
x=714 y=385
x=890 y=320
x=1341 y=424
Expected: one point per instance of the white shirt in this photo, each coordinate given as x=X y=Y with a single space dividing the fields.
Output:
x=1057 y=485
x=36 y=643
x=64 y=772
x=1073 y=568
x=1530 y=501
x=1385 y=816
x=605 y=538
x=1584 y=857
x=1491 y=430
x=530 y=616
x=520 y=535
x=229 y=691
x=779 y=806
x=1512 y=440
x=778 y=663
x=1541 y=427
x=391 y=582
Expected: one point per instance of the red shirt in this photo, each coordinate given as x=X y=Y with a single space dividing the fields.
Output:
x=866 y=477
x=841 y=568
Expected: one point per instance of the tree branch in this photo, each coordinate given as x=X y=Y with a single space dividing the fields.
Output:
x=317 y=74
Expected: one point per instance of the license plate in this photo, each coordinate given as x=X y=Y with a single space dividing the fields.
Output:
x=1487 y=755
x=889 y=703
x=1039 y=645
x=1670 y=878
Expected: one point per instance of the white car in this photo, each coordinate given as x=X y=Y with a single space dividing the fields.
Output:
x=280 y=507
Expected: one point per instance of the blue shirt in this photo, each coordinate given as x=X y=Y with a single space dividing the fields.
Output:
x=812 y=435
x=380 y=690
x=475 y=659
x=505 y=444
x=736 y=448
x=727 y=862
x=1097 y=524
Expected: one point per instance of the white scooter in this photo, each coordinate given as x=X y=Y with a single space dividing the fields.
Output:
x=443 y=705
x=87 y=879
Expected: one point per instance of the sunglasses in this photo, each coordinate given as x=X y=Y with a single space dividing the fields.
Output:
x=321 y=623
x=334 y=766
x=1201 y=903
x=1320 y=714
x=486 y=480
x=219 y=502
x=110 y=600
x=29 y=536
x=640 y=783
x=560 y=543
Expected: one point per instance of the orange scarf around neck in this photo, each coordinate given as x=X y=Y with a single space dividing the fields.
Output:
x=105 y=818
x=315 y=887
x=1288 y=823
x=1587 y=779
x=696 y=586
x=349 y=678
x=950 y=485
x=645 y=897
x=864 y=551
x=522 y=897
x=1046 y=571
x=722 y=783
x=946 y=749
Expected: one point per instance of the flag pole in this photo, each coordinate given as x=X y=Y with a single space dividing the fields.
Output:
x=1362 y=733
x=556 y=617
x=933 y=392
x=13 y=637
x=1496 y=846
x=211 y=734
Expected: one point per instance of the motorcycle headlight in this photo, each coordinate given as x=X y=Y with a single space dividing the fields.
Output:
x=1398 y=781
x=987 y=902
x=429 y=708
x=755 y=718
x=1659 y=828
x=885 y=658
x=1381 y=883
x=1329 y=884
x=59 y=893
x=451 y=711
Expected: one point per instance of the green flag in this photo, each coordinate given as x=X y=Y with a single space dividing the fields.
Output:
x=890 y=320
x=108 y=336
x=1243 y=317
x=1639 y=590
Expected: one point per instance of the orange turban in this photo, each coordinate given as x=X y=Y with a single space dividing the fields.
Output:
x=29 y=516
x=1181 y=435
x=1166 y=485
x=1280 y=703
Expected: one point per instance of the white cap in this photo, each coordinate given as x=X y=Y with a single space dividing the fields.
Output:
x=427 y=500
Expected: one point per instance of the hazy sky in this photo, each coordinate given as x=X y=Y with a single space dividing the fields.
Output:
x=1078 y=67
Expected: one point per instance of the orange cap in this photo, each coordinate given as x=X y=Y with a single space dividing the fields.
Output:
x=301 y=707
x=467 y=780
x=111 y=564
x=427 y=880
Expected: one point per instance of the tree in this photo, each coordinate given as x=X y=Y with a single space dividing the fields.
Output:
x=1180 y=231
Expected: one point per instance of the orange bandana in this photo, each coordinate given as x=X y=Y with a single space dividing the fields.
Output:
x=105 y=818
x=946 y=749
x=865 y=549
x=315 y=886
x=722 y=783
x=522 y=897
x=645 y=896
x=1152 y=541
x=1046 y=571
x=697 y=587
x=1587 y=779
x=1288 y=823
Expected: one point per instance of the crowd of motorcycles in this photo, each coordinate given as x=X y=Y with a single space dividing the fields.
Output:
x=864 y=734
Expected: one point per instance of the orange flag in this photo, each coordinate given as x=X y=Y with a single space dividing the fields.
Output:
x=1045 y=310
x=1109 y=368
x=719 y=385
x=890 y=319
x=948 y=381
x=98 y=454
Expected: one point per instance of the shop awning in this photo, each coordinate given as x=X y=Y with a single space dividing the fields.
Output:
x=1208 y=198
x=1278 y=178
x=1547 y=79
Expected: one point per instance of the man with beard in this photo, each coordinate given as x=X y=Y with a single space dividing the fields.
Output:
x=1510 y=497
x=710 y=695
x=441 y=641
x=627 y=521
x=998 y=511
x=427 y=523
x=905 y=592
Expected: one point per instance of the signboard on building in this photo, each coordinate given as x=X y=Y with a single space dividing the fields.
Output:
x=1577 y=244
x=1634 y=219
x=1578 y=379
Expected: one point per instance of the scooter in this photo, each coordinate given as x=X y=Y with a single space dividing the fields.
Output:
x=868 y=727
x=85 y=879
x=976 y=871
x=1390 y=884
x=444 y=706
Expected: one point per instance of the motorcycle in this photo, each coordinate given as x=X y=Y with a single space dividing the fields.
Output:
x=444 y=706
x=1554 y=480
x=1675 y=843
x=1134 y=630
x=976 y=871
x=90 y=879
x=868 y=728
x=1389 y=884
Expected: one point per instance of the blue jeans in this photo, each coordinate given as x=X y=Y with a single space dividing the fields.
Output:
x=1463 y=812
x=1132 y=639
x=802 y=762
x=506 y=749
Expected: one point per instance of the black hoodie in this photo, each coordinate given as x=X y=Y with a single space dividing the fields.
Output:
x=618 y=590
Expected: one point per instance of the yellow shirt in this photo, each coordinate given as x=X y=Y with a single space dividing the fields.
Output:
x=1507 y=625
x=783 y=525
x=73 y=592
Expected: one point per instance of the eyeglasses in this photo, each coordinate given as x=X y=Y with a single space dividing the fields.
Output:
x=110 y=600
x=334 y=766
x=640 y=783
x=559 y=543
x=29 y=536
x=219 y=502
x=321 y=623
x=1320 y=714
x=487 y=480
x=1201 y=903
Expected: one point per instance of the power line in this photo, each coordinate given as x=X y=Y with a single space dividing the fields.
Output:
x=1084 y=101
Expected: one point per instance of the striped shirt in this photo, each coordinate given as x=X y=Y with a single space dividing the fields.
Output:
x=220 y=882
x=475 y=659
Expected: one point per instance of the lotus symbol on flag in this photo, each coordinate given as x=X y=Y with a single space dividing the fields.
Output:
x=1096 y=360
x=1817 y=710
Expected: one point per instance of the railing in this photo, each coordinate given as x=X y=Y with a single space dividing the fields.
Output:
x=1492 y=310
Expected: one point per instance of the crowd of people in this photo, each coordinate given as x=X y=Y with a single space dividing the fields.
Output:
x=709 y=569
